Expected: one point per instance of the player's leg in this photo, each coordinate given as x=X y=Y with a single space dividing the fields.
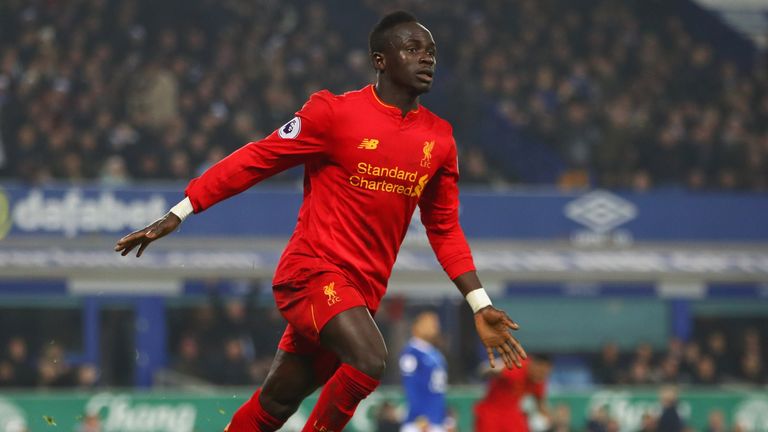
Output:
x=291 y=378
x=354 y=337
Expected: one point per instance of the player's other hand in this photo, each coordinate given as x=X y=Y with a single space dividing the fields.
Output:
x=493 y=327
x=143 y=237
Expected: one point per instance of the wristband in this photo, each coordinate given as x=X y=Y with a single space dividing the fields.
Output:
x=183 y=209
x=478 y=299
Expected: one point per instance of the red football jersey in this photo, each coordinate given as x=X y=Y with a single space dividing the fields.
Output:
x=499 y=410
x=511 y=386
x=366 y=169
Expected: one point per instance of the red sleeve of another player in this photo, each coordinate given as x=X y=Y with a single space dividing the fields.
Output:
x=439 y=206
x=538 y=390
x=297 y=141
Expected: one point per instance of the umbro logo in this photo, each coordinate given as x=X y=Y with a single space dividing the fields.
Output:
x=601 y=211
x=369 y=144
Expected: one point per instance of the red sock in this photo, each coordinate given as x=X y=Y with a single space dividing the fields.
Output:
x=251 y=417
x=339 y=399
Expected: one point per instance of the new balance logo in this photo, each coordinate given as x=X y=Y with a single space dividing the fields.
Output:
x=369 y=144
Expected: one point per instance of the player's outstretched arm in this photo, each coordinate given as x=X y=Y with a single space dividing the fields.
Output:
x=492 y=325
x=157 y=229
x=143 y=237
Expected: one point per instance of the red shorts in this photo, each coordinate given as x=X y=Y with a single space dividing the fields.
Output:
x=308 y=305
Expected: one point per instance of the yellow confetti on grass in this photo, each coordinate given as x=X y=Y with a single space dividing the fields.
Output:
x=49 y=420
x=222 y=411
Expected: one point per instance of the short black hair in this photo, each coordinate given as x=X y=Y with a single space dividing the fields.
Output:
x=377 y=40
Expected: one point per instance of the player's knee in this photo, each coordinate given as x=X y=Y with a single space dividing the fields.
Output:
x=279 y=406
x=371 y=362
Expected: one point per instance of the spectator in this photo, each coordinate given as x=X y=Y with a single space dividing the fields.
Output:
x=752 y=341
x=644 y=354
x=189 y=360
x=669 y=370
x=669 y=420
x=613 y=426
x=675 y=348
x=706 y=371
x=716 y=422
x=751 y=366
x=619 y=94
x=114 y=172
x=606 y=369
x=16 y=369
x=647 y=423
x=386 y=418
x=561 y=419
x=691 y=357
x=90 y=423
x=53 y=369
x=598 y=420
x=752 y=369
x=718 y=351
x=6 y=373
x=640 y=373
x=87 y=376
x=233 y=368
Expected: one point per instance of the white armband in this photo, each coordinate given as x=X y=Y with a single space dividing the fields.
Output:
x=478 y=299
x=183 y=209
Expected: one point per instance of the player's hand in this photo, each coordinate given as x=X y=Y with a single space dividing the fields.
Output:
x=143 y=237
x=493 y=327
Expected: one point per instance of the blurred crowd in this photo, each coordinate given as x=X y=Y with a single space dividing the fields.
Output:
x=664 y=417
x=618 y=92
x=715 y=360
x=45 y=367
x=667 y=418
x=231 y=340
x=135 y=89
x=225 y=341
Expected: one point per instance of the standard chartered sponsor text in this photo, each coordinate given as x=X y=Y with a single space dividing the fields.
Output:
x=379 y=178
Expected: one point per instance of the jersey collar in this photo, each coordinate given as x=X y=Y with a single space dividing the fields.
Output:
x=421 y=344
x=387 y=108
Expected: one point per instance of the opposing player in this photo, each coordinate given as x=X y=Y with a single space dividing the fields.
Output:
x=424 y=375
x=370 y=157
x=500 y=410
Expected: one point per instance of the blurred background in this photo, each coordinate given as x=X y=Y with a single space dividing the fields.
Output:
x=614 y=162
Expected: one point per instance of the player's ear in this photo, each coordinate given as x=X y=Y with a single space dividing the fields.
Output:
x=378 y=61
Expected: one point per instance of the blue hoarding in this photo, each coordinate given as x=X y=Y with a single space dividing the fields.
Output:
x=593 y=216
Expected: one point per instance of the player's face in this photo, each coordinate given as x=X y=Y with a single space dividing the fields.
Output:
x=539 y=370
x=411 y=57
x=428 y=327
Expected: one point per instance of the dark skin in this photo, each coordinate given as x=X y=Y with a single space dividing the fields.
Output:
x=404 y=71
